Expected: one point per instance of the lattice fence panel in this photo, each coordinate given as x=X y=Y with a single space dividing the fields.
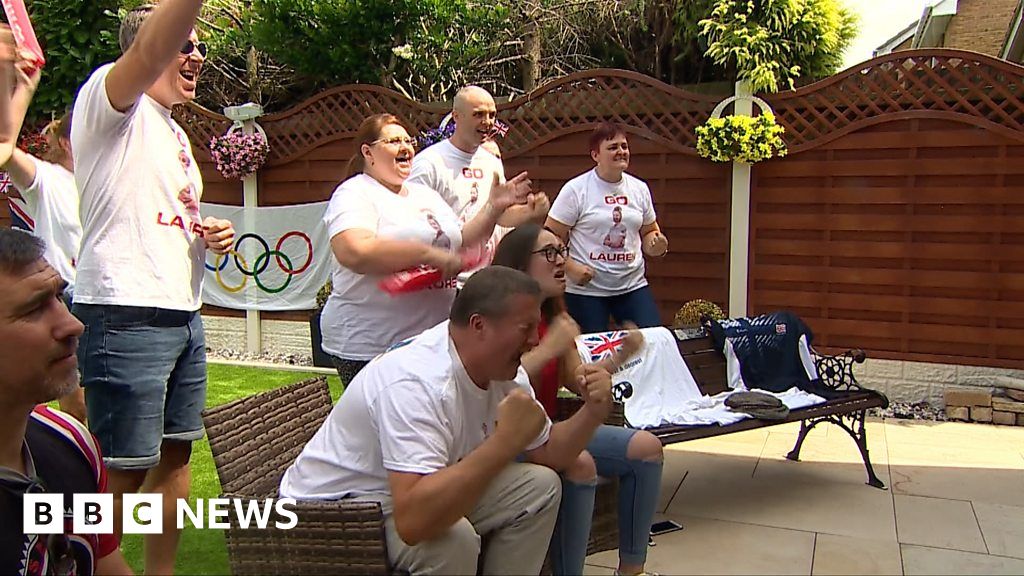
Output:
x=574 y=103
x=979 y=89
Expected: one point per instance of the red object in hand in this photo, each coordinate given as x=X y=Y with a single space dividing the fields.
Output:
x=21 y=27
x=423 y=276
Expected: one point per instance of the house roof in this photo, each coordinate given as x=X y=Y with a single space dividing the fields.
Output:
x=892 y=43
x=1013 y=47
x=928 y=31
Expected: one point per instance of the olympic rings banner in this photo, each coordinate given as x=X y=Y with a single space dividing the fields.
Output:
x=279 y=262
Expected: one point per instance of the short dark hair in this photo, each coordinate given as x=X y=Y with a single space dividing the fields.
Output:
x=605 y=131
x=131 y=23
x=488 y=291
x=18 y=249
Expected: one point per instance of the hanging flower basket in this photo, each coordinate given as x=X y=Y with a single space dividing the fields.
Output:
x=238 y=154
x=739 y=137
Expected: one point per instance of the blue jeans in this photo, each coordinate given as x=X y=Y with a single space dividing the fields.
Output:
x=639 y=484
x=592 y=312
x=144 y=373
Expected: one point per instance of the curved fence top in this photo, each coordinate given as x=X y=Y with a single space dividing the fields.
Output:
x=935 y=83
x=574 y=103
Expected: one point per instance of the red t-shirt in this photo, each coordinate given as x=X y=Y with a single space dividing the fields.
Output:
x=547 y=391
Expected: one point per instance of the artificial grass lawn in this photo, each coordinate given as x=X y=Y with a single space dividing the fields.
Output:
x=203 y=551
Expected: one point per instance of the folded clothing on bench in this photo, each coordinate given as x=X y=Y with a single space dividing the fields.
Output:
x=657 y=388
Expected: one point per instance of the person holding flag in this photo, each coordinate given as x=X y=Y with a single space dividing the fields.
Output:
x=464 y=173
x=45 y=187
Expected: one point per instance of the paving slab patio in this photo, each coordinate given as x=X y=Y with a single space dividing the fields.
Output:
x=955 y=504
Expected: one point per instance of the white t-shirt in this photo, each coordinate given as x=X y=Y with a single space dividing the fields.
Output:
x=52 y=200
x=414 y=409
x=464 y=181
x=360 y=320
x=605 y=219
x=142 y=236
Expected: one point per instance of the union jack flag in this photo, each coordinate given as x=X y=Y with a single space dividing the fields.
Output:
x=603 y=345
x=20 y=214
x=500 y=129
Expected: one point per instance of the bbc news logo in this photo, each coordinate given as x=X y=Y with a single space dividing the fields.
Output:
x=143 y=513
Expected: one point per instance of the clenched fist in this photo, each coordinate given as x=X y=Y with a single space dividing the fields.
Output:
x=580 y=274
x=520 y=420
x=655 y=244
x=219 y=234
x=594 y=384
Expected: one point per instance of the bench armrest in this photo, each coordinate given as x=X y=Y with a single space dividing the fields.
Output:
x=836 y=372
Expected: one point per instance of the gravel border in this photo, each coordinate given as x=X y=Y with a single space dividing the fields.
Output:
x=910 y=411
x=265 y=357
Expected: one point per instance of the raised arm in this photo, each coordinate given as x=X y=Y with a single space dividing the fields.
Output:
x=14 y=102
x=155 y=47
x=504 y=197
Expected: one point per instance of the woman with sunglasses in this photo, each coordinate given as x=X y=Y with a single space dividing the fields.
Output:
x=379 y=224
x=607 y=218
x=632 y=455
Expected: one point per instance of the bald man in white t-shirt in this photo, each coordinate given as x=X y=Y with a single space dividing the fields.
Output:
x=463 y=172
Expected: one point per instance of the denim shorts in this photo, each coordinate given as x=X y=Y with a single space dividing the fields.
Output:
x=592 y=312
x=144 y=373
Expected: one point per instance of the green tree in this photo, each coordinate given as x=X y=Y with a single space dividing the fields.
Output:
x=771 y=43
x=77 y=37
x=425 y=48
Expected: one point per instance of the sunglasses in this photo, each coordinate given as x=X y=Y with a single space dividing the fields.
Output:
x=551 y=253
x=189 y=47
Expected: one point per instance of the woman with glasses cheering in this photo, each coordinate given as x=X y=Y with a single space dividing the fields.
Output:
x=380 y=224
x=633 y=456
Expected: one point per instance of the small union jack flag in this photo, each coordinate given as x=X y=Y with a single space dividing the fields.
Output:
x=603 y=345
x=500 y=129
x=5 y=181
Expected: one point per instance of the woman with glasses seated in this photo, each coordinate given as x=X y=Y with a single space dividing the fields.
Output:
x=633 y=456
x=380 y=224
x=607 y=218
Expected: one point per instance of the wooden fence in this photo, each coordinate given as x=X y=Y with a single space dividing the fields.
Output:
x=896 y=223
x=312 y=143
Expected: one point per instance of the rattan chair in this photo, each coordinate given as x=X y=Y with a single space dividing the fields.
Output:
x=254 y=440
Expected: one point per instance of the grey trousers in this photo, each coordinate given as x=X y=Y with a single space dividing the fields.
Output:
x=508 y=531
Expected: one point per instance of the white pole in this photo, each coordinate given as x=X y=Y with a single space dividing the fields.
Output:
x=246 y=115
x=253 y=327
x=739 y=252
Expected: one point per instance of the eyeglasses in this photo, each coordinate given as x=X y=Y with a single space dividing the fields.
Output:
x=191 y=46
x=551 y=253
x=407 y=140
